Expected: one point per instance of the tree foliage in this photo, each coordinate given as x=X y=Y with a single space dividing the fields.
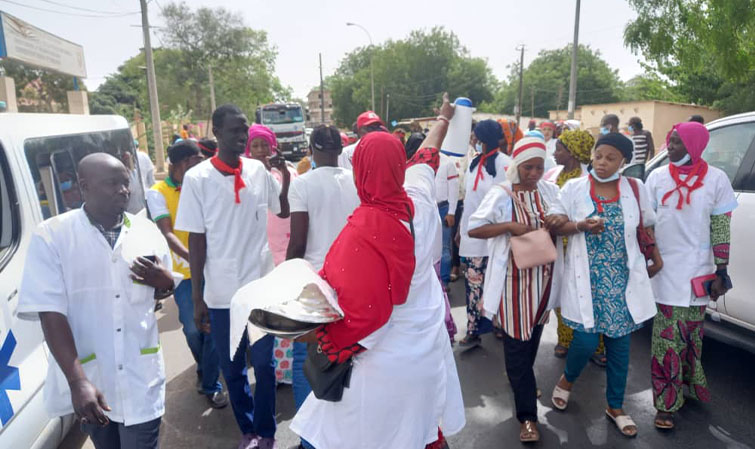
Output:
x=242 y=60
x=650 y=86
x=41 y=88
x=547 y=79
x=705 y=47
x=410 y=76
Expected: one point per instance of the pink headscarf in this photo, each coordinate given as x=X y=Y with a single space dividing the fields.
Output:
x=695 y=137
x=257 y=130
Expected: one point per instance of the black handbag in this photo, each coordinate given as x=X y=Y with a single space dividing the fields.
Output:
x=327 y=379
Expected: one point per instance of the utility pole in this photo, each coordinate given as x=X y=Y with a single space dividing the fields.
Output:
x=387 y=107
x=153 y=103
x=521 y=74
x=212 y=89
x=573 y=77
x=322 y=95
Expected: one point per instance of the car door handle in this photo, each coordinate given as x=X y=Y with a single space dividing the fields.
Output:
x=12 y=295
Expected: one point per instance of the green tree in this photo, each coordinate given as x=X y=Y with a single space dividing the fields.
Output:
x=705 y=47
x=242 y=59
x=649 y=86
x=43 y=88
x=547 y=79
x=410 y=74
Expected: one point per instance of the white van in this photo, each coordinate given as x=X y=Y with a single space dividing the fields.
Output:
x=39 y=154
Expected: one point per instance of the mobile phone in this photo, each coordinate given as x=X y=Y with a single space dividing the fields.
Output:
x=152 y=259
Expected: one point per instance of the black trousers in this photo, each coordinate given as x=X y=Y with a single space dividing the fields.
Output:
x=455 y=259
x=520 y=367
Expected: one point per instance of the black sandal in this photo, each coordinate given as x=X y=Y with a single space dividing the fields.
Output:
x=664 y=420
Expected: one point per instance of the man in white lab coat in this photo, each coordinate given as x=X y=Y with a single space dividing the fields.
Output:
x=92 y=276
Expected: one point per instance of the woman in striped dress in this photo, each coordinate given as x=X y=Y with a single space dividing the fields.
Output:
x=521 y=297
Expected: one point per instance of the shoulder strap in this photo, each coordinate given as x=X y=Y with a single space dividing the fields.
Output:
x=636 y=191
x=411 y=222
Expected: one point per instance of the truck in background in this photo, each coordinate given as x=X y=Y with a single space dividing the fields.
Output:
x=286 y=120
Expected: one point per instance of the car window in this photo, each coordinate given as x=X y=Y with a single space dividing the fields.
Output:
x=728 y=146
x=10 y=224
x=53 y=162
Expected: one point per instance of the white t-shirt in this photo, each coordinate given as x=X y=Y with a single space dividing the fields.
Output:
x=344 y=159
x=329 y=196
x=447 y=183
x=146 y=168
x=479 y=247
x=237 y=250
x=683 y=236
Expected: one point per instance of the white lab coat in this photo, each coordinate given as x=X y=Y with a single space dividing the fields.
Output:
x=71 y=269
x=496 y=207
x=405 y=385
x=576 y=293
x=684 y=235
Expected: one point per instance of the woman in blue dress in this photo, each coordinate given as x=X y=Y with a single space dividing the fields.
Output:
x=606 y=288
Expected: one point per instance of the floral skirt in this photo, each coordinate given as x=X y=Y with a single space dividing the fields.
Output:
x=283 y=356
x=676 y=350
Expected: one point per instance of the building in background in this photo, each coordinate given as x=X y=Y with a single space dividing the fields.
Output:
x=313 y=105
x=657 y=116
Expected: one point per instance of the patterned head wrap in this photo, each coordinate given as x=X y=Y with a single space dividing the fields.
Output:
x=512 y=133
x=579 y=143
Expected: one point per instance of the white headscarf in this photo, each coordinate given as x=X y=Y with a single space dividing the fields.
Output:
x=525 y=149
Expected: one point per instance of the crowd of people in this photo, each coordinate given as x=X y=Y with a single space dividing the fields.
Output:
x=532 y=221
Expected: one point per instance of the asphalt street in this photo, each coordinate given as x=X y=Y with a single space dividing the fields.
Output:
x=727 y=422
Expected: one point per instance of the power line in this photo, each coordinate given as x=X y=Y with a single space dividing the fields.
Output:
x=86 y=9
x=66 y=13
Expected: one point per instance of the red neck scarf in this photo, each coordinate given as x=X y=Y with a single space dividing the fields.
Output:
x=481 y=167
x=238 y=182
x=696 y=171
x=600 y=202
x=371 y=263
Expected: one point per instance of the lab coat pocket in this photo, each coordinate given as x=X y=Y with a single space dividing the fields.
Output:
x=58 y=396
x=151 y=368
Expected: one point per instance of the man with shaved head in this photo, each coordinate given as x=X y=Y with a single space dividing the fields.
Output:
x=92 y=276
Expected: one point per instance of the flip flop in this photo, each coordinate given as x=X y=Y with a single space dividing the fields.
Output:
x=560 y=352
x=664 y=420
x=560 y=393
x=622 y=422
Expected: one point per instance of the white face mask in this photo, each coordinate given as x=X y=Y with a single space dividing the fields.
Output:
x=613 y=177
x=605 y=130
x=683 y=160
x=478 y=147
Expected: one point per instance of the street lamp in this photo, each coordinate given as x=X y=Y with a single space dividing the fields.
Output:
x=372 y=52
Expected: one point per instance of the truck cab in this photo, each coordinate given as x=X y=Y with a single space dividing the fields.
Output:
x=286 y=120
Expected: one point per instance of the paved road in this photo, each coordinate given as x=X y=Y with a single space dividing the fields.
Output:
x=725 y=423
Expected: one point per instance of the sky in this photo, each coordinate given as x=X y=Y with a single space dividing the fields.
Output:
x=300 y=29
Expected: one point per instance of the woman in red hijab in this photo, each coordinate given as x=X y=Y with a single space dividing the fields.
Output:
x=371 y=263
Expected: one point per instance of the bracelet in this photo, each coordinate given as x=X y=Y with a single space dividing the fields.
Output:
x=576 y=226
x=443 y=118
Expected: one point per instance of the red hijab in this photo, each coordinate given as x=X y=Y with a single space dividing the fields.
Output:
x=695 y=137
x=371 y=263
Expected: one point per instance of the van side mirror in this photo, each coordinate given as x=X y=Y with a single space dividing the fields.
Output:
x=634 y=171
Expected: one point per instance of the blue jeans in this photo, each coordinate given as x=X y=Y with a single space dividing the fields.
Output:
x=202 y=347
x=300 y=382
x=445 y=258
x=583 y=346
x=254 y=415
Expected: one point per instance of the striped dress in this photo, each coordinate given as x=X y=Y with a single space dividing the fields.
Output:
x=525 y=296
x=640 y=148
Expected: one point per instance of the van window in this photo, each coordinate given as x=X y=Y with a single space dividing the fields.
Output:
x=728 y=146
x=10 y=224
x=53 y=162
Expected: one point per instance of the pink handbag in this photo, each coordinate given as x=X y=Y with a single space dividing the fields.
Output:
x=534 y=248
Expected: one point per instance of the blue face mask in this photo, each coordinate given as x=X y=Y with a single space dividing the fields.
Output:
x=314 y=164
x=605 y=130
x=613 y=177
x=66 y=186
x=631 y=129
x=683 y=160
x=478 y=147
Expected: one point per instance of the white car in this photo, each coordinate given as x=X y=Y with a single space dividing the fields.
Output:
x=39 y=154
x=732 y=149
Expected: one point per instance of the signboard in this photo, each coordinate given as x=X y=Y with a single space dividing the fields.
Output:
x=26 y=43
